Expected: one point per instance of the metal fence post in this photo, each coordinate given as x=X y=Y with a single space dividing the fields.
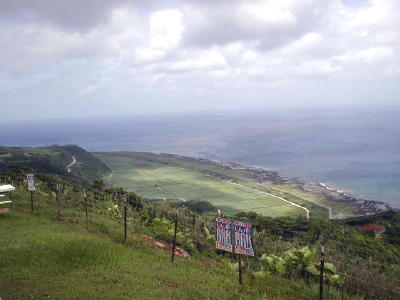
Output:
x=174 y=240
x=321 y=274
x=32 y=201
x=58 y=201
x=86 y=209
x=125 y=222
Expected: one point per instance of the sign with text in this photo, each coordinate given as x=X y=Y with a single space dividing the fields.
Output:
x=223 y=229
x=243 y=238
x=234 y=236
x=31 y=182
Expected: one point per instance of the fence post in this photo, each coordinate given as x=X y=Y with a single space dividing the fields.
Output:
x=321 y=274
x=342 y=291
x=174 y=240
x=86 y=209
x=10 y=182
x=58 y=201
x=125 y=222
x=31 y=201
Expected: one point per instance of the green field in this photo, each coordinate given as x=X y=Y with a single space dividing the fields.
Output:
x=160 y=179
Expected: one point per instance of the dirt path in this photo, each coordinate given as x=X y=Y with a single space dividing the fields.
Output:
x=71 y=164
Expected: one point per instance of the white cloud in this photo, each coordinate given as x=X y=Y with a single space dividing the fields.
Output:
x=156 y=47
x=164 y=34
x=267 y=13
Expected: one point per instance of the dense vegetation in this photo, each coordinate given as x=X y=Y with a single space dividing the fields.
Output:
x=53 y=160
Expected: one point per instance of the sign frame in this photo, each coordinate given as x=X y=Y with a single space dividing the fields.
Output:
x=31 y=182
x=223 y=234
x=234 y=236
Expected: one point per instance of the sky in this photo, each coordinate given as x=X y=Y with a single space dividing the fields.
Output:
x=82 y=58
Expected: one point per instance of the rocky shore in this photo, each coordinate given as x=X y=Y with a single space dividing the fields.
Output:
x=357 y=205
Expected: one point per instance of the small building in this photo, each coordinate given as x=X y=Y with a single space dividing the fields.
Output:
x=377 y=229
x=5 y=203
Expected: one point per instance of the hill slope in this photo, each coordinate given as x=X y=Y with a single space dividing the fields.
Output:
x=54 y=160
x=42 y=258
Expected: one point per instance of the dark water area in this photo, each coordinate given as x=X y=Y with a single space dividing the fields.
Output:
x=356 y=150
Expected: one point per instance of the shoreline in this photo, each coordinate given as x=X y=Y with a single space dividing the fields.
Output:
x=358 y=205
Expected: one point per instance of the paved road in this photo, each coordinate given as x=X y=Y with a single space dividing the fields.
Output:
x=319 y=204
x=71 y=164
x=262 y=192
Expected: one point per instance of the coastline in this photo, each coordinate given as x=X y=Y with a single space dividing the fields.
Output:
x=359 y=206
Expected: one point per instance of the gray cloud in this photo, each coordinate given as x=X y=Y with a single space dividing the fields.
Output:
x=223 y=23
x=69 y=14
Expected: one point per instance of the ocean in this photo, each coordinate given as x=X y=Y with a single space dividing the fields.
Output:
x=353 y=149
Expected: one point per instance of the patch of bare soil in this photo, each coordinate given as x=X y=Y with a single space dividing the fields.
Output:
x=178 y=251
x=210 y=261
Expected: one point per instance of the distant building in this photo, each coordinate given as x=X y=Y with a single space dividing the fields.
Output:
x=375 y=228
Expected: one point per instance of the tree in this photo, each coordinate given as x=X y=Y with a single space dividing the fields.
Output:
x=98 y=184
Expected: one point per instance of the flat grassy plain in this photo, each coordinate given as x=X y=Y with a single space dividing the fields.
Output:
x=159 y=178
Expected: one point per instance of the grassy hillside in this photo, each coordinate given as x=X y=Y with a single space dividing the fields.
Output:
x=54 y=160
x=50 y=254
x=42 y=258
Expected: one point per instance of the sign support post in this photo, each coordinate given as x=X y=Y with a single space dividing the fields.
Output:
x=240 y=270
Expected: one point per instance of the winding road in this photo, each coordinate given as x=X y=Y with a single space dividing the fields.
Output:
x=71 y=164
x=262 y=192
x=316 y=203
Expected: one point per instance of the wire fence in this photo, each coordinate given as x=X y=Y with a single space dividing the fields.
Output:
x=371 y=279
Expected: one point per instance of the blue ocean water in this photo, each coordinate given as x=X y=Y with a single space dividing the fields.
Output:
x=352 y=149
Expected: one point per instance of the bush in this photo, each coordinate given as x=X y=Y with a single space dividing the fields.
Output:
x=200 y=206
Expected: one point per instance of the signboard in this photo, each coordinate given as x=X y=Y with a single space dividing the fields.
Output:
x=243 y=238
x=223 y=229
x=31 y=182
x=234 y=236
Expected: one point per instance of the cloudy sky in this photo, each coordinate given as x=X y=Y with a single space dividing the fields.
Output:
x=102 y=57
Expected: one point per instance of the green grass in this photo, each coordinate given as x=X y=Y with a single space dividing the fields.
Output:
x=41 y=258
x=167 y=180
